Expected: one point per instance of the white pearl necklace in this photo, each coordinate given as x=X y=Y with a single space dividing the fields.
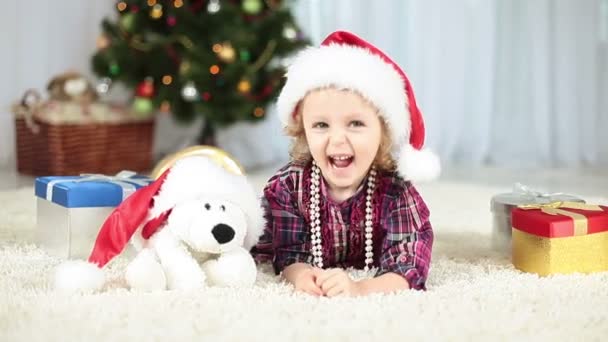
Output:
x=315 y=221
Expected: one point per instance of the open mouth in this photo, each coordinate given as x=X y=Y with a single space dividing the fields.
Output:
x=341 y=161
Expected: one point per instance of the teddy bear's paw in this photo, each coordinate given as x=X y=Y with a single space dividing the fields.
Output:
x=145 y=273
x=233 y=269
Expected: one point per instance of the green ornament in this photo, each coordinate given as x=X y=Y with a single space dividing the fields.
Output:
x=245 y=55
x=114 y=69
x=142 y=106
x=127 y=21
x=252 y=6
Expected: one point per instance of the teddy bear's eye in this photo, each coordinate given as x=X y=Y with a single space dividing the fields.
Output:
x=207 y=206
x=222 y=207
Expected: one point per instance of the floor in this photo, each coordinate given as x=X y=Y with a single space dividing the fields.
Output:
x=588 y=182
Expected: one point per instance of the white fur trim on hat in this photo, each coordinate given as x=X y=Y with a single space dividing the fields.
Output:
x=418 y=165
x=78 y=275
x=349 y=67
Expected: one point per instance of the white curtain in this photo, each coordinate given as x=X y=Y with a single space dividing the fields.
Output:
x=510 y=83
x=40 y=39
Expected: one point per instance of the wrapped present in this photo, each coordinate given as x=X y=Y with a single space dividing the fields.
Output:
x=560 y=237
x=72 y=209
x=503 y=204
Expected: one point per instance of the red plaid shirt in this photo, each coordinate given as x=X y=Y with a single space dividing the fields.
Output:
x=402 y=235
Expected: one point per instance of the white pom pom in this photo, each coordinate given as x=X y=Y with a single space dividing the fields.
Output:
x=418 y=166
x=79 y=275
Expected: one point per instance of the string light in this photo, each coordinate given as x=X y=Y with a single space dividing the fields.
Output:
x=157 y=11
x=121 y=6
x=214 y=69
x=258 y=112
x=178 y=3
x=151 y=3
x=244 y=86
x=217 y=48
x=167 y=79
x=206 y=96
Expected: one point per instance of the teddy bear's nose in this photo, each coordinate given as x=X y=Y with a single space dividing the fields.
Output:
x=223 y=233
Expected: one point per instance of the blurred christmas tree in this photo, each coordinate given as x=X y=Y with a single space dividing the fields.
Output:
x=218 y=59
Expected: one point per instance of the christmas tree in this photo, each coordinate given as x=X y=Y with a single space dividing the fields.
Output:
x=219 y=59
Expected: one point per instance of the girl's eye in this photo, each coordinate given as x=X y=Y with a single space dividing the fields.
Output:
x=357 y=123
x=319 y=125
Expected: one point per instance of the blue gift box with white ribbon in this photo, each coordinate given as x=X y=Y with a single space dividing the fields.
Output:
x=72 y=209
x=89 y=190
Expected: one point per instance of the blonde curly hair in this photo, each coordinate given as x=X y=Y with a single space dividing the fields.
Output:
x=300 y=153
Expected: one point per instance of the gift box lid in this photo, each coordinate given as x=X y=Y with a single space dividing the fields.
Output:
x=521 y=195
x=555 y=225
x=89 y=190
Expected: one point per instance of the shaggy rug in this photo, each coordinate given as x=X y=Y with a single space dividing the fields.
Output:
x=474 y=293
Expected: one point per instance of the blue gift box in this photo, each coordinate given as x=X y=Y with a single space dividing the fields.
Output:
x=89 y=190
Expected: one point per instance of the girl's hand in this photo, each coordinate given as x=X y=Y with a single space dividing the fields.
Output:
x=334 y=282
x=303 y=277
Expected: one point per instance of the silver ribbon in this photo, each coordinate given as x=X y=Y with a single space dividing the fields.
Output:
x=123 y=179
x=534 y=195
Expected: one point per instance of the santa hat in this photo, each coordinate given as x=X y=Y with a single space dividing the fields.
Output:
x=143 y=213
x=346 y=61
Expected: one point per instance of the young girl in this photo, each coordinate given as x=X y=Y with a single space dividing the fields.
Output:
x=345 y=199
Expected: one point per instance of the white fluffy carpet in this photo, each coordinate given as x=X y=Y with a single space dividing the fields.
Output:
x=474 y=293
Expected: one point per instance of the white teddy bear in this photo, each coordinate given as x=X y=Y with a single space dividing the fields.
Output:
x=192 y=227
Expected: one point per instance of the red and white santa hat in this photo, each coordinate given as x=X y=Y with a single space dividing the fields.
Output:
x=346 y=61
x=144 y=212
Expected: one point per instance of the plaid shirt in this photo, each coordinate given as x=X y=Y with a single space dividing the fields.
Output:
x=402 y=235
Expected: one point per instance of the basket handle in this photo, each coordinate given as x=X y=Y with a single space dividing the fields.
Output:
x=30 y=101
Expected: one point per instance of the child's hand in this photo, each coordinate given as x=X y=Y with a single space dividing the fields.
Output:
x=336 y=282
x=305 y=281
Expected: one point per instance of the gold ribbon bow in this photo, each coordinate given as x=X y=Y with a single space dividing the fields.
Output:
x=558 y=208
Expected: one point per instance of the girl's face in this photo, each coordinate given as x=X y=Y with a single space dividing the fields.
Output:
x=343 y=133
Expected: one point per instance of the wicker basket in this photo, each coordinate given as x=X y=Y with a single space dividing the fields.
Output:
x=45 y=148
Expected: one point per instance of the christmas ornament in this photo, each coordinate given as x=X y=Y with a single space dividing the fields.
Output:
x=184 y=68
x=189 y=92
x=219 y=156
x=252 y=6
x=245 y=55
x=114 y=69
x=315 y=222
x=206 y=96
x=145 y=88
x=213 y=6
x=102 y=42
x=157 y=11
x=127 y=21
x=142 y=105
x=290 y=33
x=104 y=85
x=171 y=21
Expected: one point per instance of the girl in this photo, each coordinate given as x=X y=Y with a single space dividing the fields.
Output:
x=345 y=199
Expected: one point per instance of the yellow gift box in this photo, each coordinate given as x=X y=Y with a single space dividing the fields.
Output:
x=560 y=237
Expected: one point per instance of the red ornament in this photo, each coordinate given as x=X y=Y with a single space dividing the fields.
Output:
x=145 y=88
x=206 y=96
